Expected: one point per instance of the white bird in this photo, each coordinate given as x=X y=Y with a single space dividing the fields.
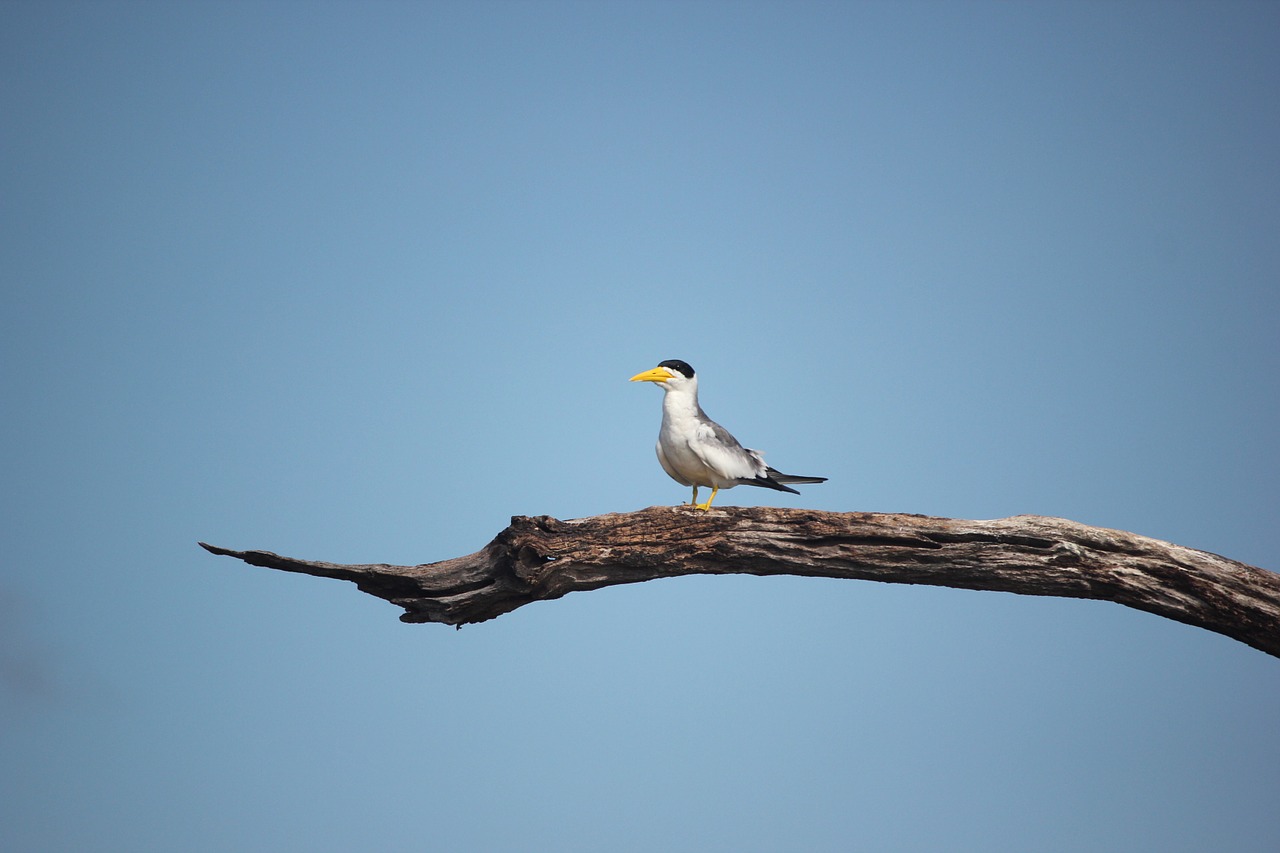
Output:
x=695 y=450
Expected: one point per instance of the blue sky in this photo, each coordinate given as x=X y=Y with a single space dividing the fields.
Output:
x=359 y=282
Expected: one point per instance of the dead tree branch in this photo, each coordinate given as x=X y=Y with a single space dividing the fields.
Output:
x=542 y=558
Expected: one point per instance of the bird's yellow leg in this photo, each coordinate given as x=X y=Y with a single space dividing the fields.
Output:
x=694 y=502
x=707 y=505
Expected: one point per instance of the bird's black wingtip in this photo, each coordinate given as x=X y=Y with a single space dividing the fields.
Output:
x=768 y=483
x=777 y=475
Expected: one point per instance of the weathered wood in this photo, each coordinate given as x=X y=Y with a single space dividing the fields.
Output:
x=542 y=558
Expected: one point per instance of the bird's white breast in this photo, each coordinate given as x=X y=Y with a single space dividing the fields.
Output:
x=693 y=455
x=676 y=438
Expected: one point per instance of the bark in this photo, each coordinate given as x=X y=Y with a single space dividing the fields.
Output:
x=542 y=558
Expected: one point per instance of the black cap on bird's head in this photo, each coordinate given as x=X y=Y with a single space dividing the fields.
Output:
x=681 y=367
x=675 y=371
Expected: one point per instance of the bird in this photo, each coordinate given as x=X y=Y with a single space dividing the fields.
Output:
x=696 y=451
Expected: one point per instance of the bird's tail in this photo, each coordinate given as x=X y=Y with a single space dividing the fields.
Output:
x=778 y=476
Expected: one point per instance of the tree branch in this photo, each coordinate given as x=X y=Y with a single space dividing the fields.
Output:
x=542 y=558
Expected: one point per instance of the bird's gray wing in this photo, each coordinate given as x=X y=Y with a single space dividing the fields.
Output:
x=721 y=453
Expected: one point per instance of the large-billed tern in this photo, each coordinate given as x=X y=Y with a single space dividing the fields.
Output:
x=695 y=450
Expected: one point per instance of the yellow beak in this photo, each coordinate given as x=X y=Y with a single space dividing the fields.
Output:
x=658 y=374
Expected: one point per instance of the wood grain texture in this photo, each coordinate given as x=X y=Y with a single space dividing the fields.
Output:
x=542 y=558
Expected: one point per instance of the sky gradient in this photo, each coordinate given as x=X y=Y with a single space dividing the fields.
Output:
x=359 y=282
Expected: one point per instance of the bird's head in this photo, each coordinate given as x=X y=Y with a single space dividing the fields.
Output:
x=670 y=375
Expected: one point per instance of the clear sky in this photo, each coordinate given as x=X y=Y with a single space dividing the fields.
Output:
x=359 y=282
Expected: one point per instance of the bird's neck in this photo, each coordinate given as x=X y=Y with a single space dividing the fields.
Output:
x=680 y=404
